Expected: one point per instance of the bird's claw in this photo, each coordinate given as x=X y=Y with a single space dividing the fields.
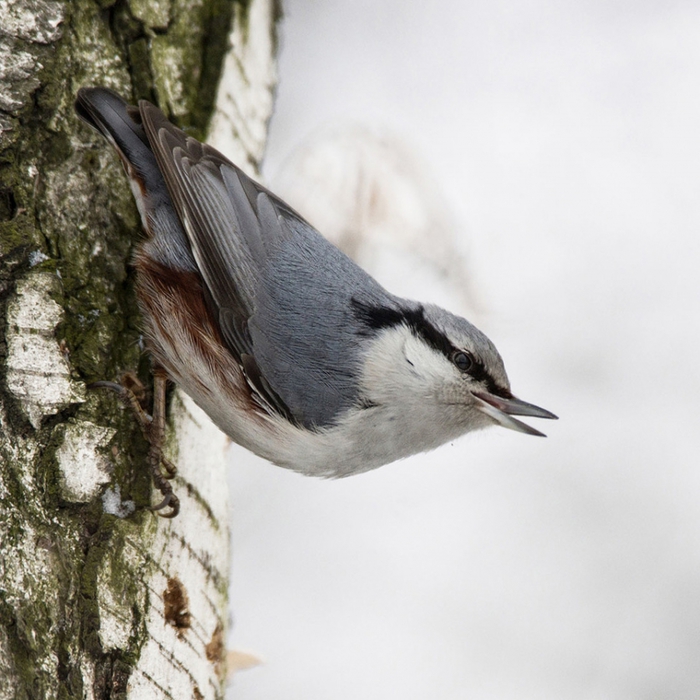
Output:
x=170 y=500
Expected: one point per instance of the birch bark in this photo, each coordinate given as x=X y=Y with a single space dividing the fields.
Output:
x=99 y=598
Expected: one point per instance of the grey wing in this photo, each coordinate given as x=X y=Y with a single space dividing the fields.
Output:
x=225 y=239
x=305 y=329
x=281 y=291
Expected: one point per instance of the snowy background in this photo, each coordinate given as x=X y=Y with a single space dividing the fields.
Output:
x=561 y=142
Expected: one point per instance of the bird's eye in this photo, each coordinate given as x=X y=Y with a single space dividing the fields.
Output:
x=463 y=360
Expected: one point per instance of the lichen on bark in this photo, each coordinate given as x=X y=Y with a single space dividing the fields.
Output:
x=83 y=565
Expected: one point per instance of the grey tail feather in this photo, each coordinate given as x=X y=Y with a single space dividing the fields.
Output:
x=105 y=111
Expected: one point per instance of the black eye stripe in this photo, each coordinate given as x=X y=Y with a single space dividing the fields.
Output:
x=479 y=373
x=376 y=318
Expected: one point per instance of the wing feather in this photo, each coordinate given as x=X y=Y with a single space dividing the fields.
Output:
x=281 y=292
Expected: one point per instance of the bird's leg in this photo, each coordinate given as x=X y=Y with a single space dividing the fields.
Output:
x=153 y=428
x=155 y=453
x=127 y=394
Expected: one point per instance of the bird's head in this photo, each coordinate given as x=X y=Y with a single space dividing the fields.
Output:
x=435 y=366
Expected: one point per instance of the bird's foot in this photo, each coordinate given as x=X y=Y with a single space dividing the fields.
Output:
x=131 y=392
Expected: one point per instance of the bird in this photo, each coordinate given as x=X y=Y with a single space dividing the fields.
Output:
x=292 y=349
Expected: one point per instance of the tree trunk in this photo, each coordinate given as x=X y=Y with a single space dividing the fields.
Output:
x=99 y=597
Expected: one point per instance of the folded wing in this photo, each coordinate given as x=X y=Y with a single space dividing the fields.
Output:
x=281 y=292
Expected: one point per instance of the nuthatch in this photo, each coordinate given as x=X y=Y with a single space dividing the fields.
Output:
x=291 y=348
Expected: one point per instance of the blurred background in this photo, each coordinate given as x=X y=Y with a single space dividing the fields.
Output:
x=535 y=166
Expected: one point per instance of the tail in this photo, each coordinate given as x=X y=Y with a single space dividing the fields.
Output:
x=120 y=123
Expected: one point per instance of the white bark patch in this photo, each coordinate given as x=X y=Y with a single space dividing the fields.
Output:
x=244 y=102
x=15 y=67
x=24 y=23
x=36 y=21
x=200 y=455
x=191 y=551
x=82 y=468
x=37 y=372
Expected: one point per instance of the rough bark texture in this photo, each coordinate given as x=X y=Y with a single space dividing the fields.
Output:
x=99 y=598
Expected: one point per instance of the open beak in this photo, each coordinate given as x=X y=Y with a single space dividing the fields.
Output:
x=502 y=410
